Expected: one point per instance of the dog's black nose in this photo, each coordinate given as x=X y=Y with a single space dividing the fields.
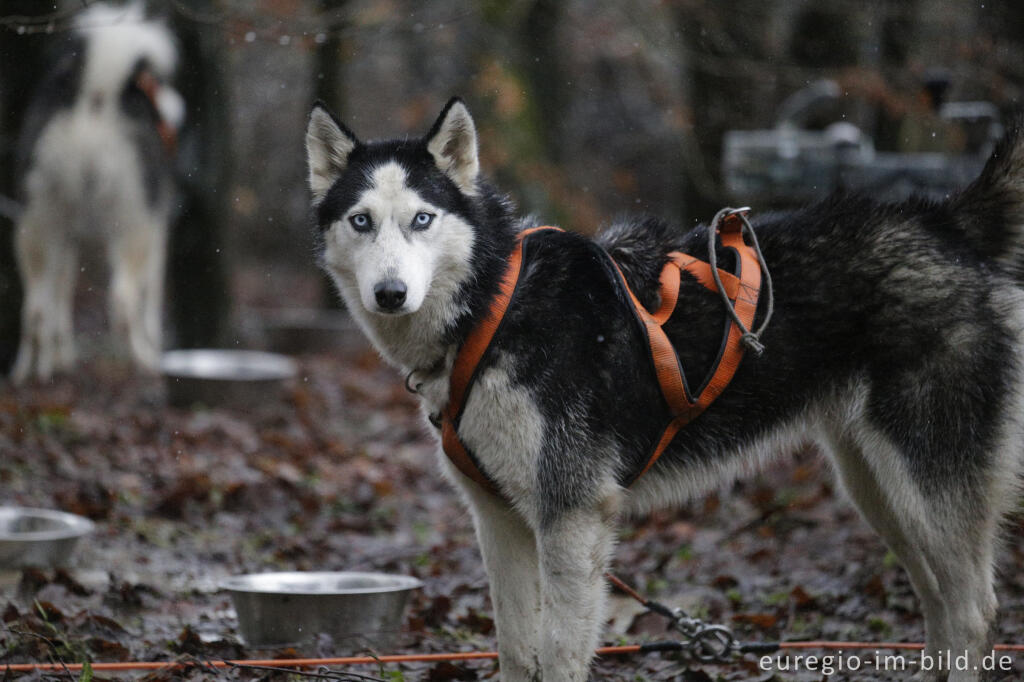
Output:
x=390 y=294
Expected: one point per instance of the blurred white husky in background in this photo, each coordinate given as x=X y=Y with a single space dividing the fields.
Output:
x=95 y=154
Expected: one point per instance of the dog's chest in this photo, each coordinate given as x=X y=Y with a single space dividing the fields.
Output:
x=501 y=423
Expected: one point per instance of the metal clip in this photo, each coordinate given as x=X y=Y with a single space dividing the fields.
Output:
x=732 y=219
x=409 y=386
x=706 y=642
x=713 y=643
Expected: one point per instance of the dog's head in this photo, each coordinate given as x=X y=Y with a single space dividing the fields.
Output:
x=395 y=215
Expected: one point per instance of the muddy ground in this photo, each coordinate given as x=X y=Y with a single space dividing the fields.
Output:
x=336 y=473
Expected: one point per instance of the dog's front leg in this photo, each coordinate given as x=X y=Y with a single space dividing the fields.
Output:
x=574 y=553
x=509 y=548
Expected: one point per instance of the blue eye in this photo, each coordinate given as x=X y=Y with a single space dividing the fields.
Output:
x=422 y=220
x=360 y=222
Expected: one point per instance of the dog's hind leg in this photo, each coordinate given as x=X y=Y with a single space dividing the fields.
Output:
x=955 y=535
x=575 y=549
x=509 y=548
x=946 y=547
x=862 y=486
x=64 y=290
x=38 y=250
x=153 y=298
x=129 y=256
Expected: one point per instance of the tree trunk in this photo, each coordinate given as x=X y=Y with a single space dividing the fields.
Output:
x=199 y=301
x=22 y=61
x=328 y=87
x=542 y=63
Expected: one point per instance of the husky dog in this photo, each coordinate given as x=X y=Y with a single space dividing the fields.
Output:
x=896 y=345
x=95 y=152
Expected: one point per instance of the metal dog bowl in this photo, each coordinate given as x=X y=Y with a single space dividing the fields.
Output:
x=308 y=330
x=39 y=537
x=277 y=609
x=236 y=378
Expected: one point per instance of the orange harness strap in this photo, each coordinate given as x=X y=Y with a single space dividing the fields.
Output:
x=464 y=369
x=150 y=87
x=742 y=289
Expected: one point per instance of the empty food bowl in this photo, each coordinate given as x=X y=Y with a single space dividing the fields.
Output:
x=215 y=377
x=358 y=610
x=39 y=537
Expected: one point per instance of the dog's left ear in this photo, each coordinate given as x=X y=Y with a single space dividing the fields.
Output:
x=452 y=143
x=328 y=145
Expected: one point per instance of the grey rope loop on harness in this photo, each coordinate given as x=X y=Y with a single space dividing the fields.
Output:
x=751 y=339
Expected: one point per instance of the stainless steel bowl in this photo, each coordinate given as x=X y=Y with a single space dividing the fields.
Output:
x=235 y=378
x=358 y=610
x=39 y=537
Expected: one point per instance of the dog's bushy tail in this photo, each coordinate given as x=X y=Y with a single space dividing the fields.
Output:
x=990 y=211
x=640 y=247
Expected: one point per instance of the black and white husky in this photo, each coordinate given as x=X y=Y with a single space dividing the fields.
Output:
x=896 y=344
x=97 y=169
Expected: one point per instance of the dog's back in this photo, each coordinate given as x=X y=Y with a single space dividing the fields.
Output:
x=96 y=166
x=918 y=304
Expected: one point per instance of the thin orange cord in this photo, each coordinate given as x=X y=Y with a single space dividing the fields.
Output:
x=428 y=658
x=418 y=658
x=280 y=662
x=619 y=583
x=877 y=645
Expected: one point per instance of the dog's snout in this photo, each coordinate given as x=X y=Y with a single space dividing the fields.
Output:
x=390 y=294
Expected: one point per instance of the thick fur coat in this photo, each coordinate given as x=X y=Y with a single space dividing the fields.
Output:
x=95 y=171
x=896 y=345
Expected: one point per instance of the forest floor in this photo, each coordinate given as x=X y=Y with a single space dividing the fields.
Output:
x=337 y=473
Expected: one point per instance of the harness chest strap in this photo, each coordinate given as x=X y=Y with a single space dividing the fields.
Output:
x=466 y=361
x=742 y=290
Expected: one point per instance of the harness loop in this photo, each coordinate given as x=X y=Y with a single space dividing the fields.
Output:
x=724 y=221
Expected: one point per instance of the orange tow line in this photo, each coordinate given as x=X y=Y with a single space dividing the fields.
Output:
x=285 y=663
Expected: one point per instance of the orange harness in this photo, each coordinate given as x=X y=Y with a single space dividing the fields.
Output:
x=150 y=87
x=742 y=289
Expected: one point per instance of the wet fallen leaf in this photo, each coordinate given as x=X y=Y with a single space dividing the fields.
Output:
x=91 y=499
x=32 y=580
x=760 y=620
x=193 y=487
x=105 y=649
x=801 y=598
x=49 y=612
x=67 y=581
x=724 y=582
x=477 y=622
x=10 y=613
x=446 y=671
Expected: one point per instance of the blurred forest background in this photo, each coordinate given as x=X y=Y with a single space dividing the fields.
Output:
x=586 y=108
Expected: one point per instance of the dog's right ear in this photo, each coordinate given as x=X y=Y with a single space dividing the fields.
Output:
x=328 y=145
x=452 y=142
